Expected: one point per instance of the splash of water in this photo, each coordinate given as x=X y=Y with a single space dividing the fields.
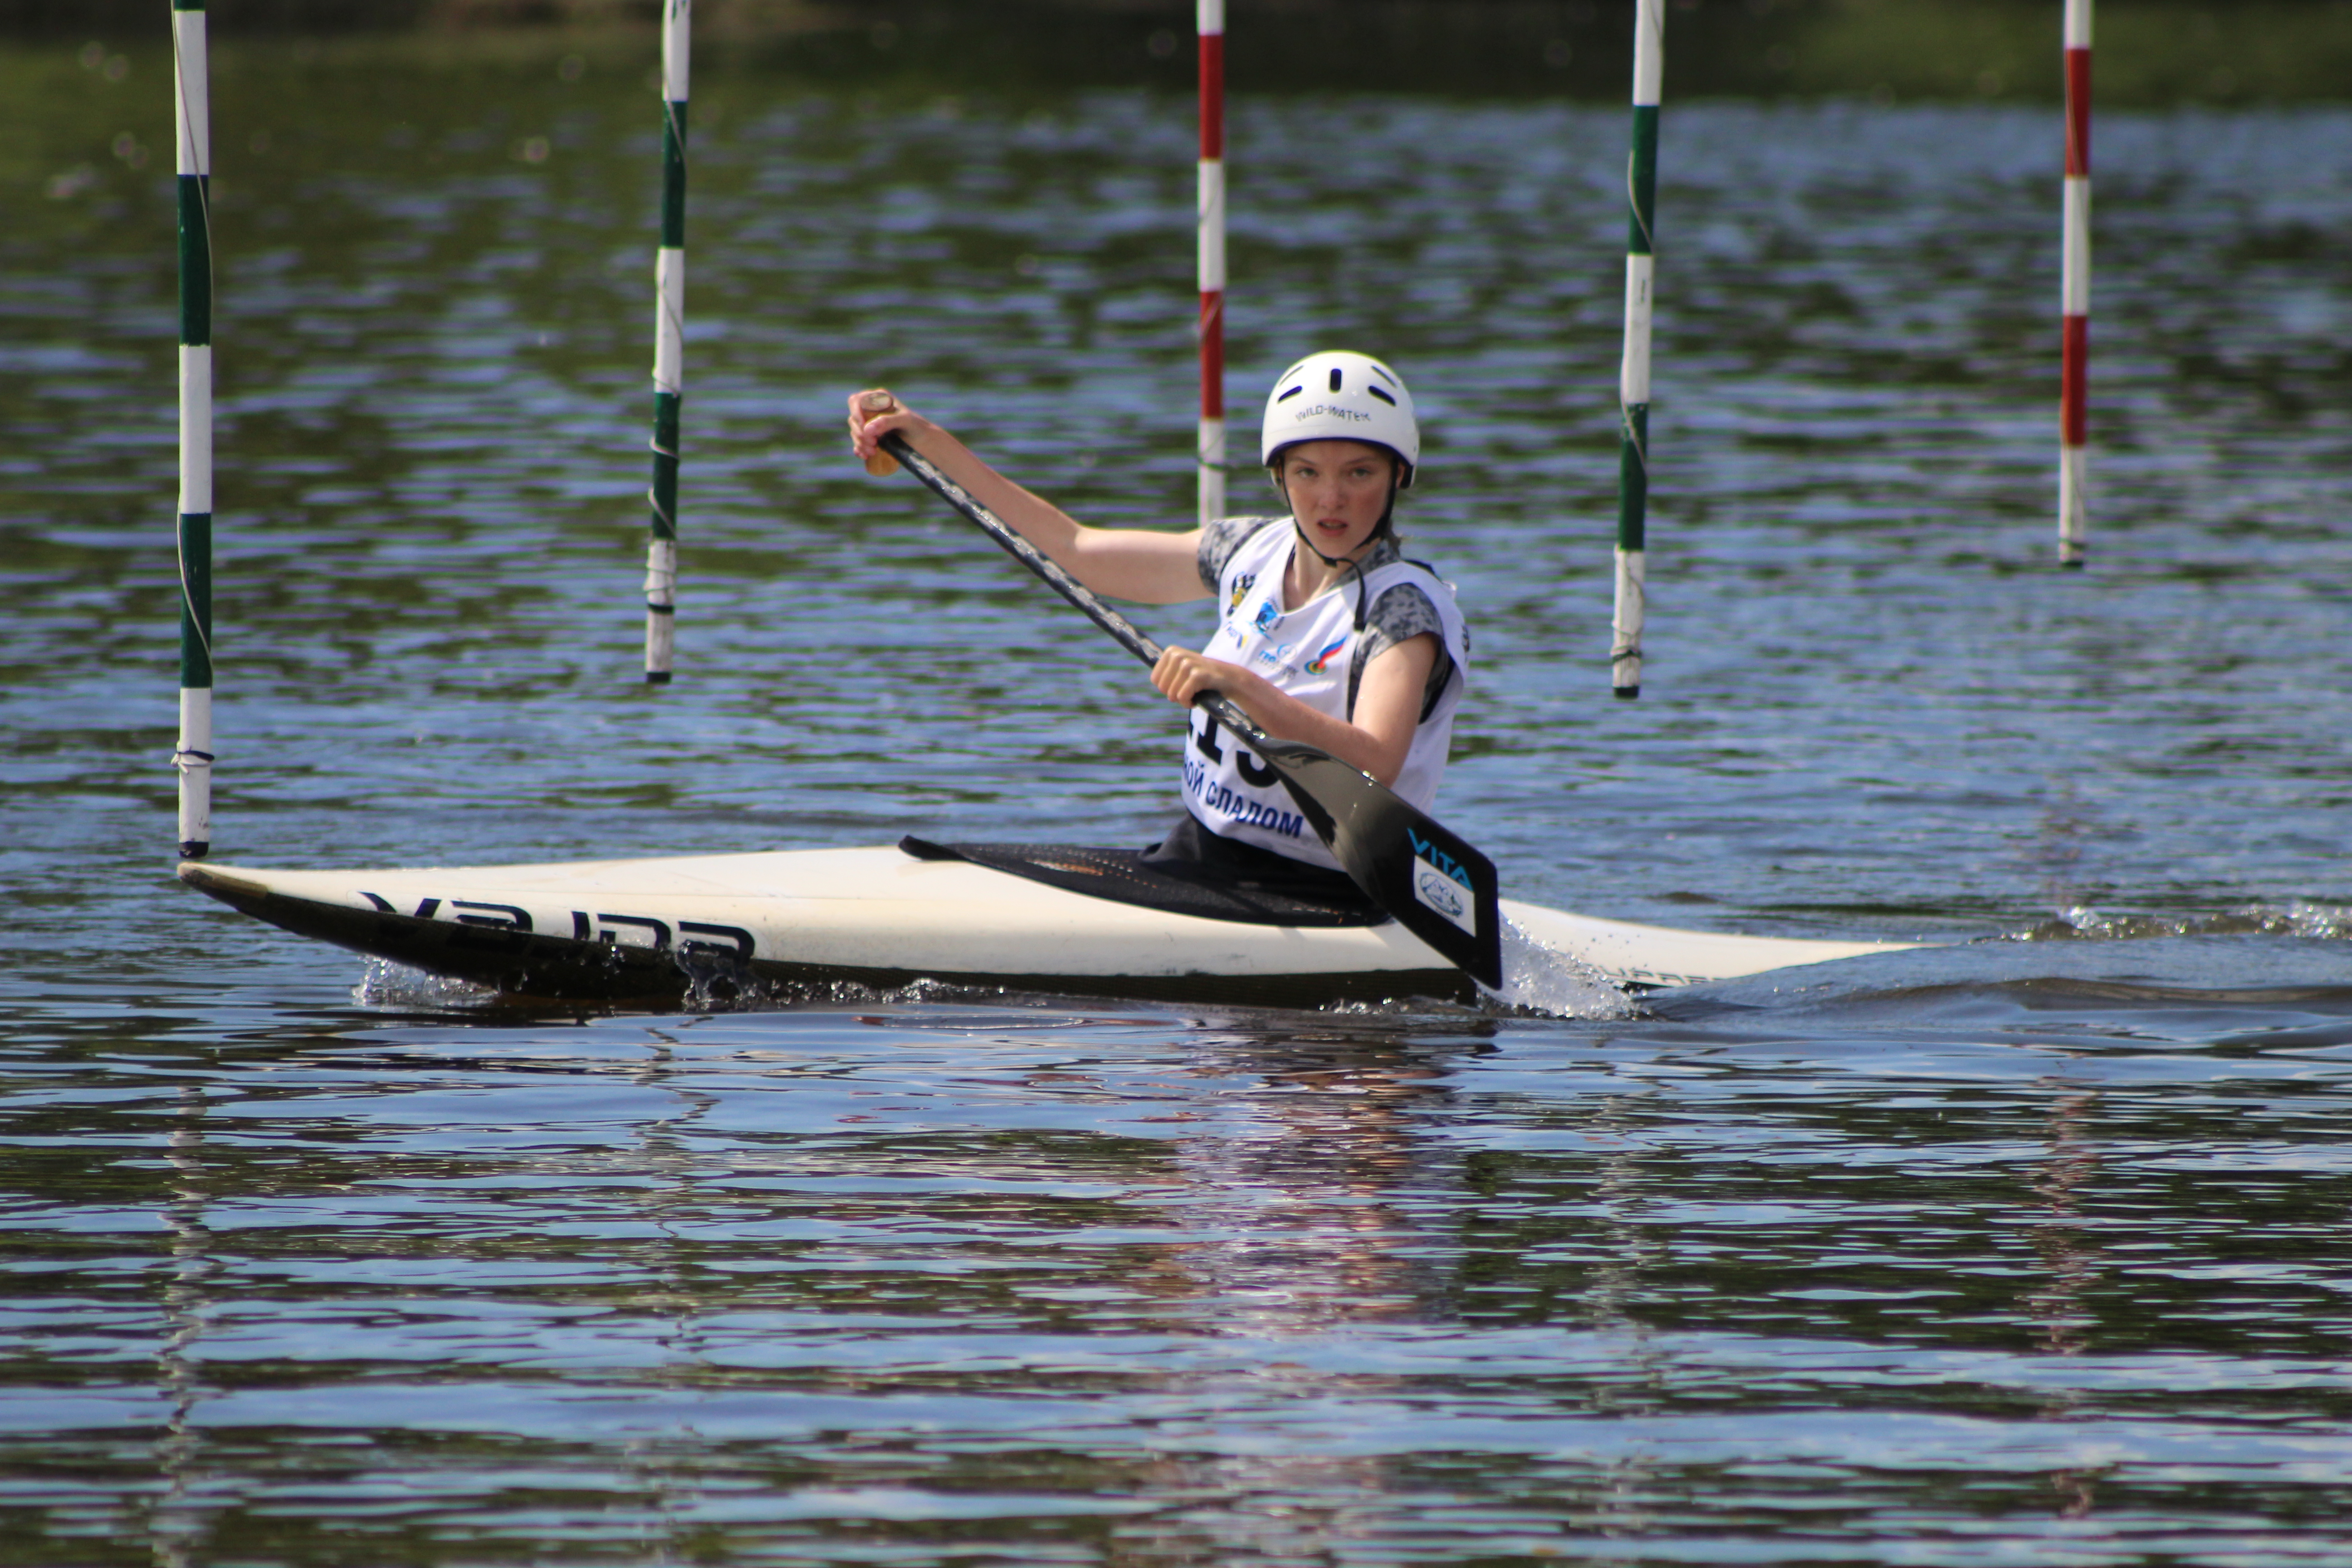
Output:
x=1539 y=978
x=2298 y=918
x=384 y=983
x=397 y=987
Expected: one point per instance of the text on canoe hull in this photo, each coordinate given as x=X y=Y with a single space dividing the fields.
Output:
x=618 y=930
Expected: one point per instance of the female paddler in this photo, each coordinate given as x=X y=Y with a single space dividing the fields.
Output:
x=1325 y=633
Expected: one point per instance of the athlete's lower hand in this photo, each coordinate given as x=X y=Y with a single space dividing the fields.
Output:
x=1182 y=675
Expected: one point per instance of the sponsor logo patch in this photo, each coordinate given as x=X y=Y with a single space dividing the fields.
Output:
x=1321 y=661
x=1436 y=889
x=1441 y=884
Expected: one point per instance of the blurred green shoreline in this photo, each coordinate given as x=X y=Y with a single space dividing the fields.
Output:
x=2149 y=53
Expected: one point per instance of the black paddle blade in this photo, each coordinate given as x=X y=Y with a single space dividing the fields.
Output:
x=1436 y=884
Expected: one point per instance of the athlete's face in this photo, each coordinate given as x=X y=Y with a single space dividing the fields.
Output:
x=1338 y=490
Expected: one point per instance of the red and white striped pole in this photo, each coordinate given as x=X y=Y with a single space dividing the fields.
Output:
x=2075 y=356
x=1212 y=452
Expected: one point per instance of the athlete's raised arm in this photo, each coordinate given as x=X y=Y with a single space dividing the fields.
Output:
x=1140 y=564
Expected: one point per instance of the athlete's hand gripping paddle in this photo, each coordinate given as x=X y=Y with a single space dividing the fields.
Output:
x=1433 y=881
x=877 y=402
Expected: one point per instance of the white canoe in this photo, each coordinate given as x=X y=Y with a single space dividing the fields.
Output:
x=878 y=916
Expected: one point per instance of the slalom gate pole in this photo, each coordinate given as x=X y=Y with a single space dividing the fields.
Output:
x=1633 y=376
x=1211 y=450
x=193 y=756
x=669 y=347
x=2075 y=355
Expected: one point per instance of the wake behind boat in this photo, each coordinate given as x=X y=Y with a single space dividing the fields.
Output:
x=886 y=917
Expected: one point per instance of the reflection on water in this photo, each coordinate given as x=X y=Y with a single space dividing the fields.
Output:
x=835 y=1281
x=2071 y=1265
x=2068 y=1262
x=2028 y=1246
x=174 y=1526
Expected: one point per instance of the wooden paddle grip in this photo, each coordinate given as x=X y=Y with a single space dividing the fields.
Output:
x=880 y=463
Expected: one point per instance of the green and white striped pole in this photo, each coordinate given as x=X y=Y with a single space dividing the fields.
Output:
x=193 y=754
x=669 y=347
x=1633 y=376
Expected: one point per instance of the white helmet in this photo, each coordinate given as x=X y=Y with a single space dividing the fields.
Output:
x=1340 y=396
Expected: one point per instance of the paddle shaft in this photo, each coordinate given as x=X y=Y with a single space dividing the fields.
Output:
x=1224 y=708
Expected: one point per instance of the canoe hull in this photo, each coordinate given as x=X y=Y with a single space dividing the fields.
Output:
x=653 y=929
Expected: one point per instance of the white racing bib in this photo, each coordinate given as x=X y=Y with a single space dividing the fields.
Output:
x=1306 y=652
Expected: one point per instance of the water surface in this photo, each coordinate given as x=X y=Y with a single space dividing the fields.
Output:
x=2028 y=1247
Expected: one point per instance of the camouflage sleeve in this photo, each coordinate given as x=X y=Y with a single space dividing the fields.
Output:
x=1398 y=616
x=1220 y=540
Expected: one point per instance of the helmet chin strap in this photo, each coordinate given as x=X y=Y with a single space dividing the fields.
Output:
x=1379 y=529
x=1299 y=529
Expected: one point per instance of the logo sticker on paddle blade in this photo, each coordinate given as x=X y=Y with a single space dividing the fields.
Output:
x=1446 y=891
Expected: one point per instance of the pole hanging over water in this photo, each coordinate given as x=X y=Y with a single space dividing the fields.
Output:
x=1633 y=376
x=1212 y=453
x=669 y=347
x=193 y=756
x=2075 y=355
